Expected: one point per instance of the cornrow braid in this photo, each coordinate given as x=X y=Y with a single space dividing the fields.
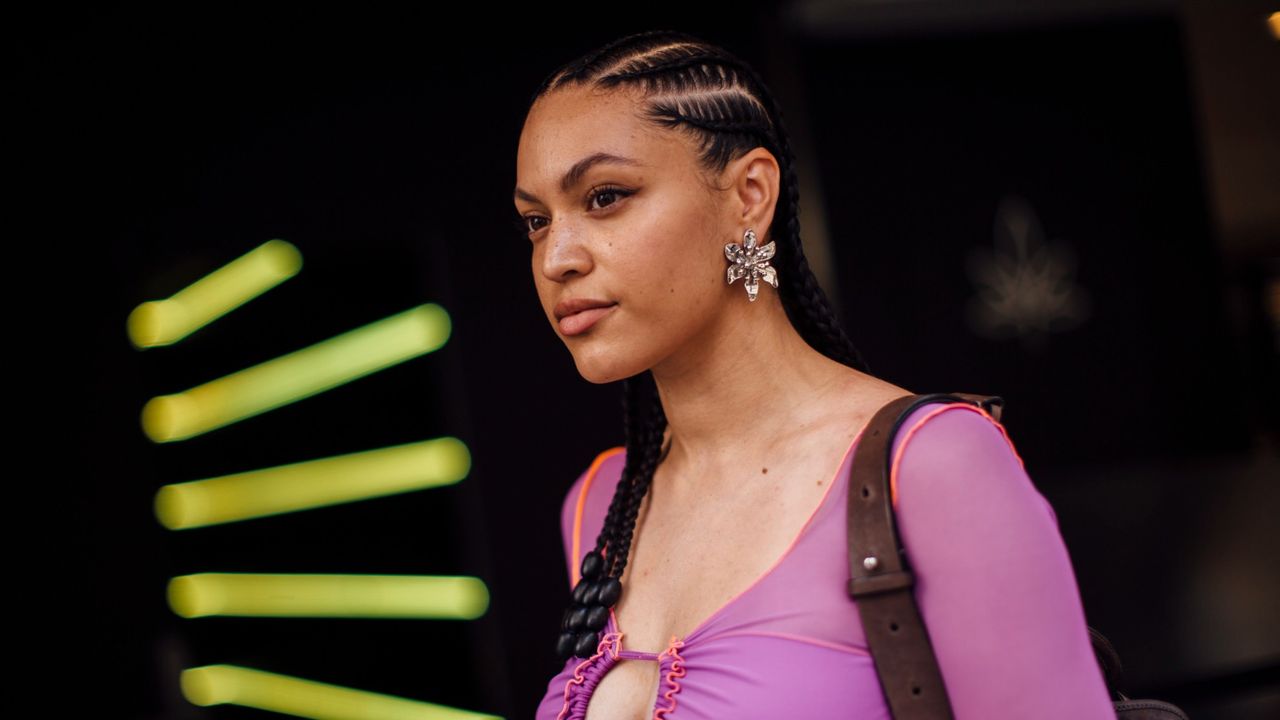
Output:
x=807 y=305
x=695 y=87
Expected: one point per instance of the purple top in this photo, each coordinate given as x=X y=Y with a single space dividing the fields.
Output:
x=994 y=584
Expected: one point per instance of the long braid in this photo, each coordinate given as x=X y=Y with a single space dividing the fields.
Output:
x=694 y=87
x=642 y=467
x=804 y=300
x=639 y=397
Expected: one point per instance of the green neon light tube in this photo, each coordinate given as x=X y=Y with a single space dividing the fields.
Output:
x=164 y=322
x=230 y=684
x=440 y=597
x=313 y=483
x=300 y=374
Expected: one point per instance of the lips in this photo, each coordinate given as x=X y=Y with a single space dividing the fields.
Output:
x=568 y=307
x=581 y=321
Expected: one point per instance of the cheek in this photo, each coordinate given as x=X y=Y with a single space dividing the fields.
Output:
x=675 y=273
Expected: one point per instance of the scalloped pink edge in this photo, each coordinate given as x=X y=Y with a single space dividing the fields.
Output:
x=673 y=684
x=606 y=642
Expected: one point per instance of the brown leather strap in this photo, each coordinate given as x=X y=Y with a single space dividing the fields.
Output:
x=880 y=580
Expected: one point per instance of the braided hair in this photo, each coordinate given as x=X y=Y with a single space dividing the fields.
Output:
x=689 y=85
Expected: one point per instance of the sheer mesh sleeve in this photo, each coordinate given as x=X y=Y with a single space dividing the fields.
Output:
x=567 y=512
x=995 y=584
x=594 y=489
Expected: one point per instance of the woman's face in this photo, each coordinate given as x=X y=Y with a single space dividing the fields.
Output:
x=618 y=211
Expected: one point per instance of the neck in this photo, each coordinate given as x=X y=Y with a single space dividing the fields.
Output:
x=744 y=386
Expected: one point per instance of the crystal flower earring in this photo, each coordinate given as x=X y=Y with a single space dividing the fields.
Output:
x=750 y=262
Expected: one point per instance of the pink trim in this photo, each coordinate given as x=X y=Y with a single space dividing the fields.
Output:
x=582 y=503
x=615 y=643
x=897 y=458
x=835 y=476
x=637 y=655
x=608 y=641
x=673 y=676
x=850 y=649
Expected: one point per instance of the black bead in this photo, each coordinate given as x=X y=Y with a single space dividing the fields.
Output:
x=565 y=644
x=580 y=592
x=592 y=565
x=564 y=621
x=592 y=595
x=597 y=617
x=586 y=644
x=578 y=619
x=610 y=591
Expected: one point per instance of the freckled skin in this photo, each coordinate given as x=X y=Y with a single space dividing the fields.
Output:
x=625 y=247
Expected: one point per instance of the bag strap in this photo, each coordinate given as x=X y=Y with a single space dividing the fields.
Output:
x=880 y=578
x=881 y=581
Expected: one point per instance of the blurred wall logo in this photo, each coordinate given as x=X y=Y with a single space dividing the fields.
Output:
x=1025 y=286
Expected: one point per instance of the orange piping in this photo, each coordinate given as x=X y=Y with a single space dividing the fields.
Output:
x=582 y=504
x=897 y=458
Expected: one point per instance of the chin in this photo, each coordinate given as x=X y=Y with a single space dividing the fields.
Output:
x=602 y=367
x=601 y=375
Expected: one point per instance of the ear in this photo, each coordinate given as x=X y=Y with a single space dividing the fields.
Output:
x=754 y=179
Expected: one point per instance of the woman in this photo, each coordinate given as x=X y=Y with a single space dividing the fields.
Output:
x=655 y=182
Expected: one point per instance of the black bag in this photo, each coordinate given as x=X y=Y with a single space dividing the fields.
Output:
x=881 y=582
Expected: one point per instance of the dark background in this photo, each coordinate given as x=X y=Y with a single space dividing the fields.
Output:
x=154 y=145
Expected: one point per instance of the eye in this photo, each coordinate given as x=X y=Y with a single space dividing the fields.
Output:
x=521 y=225
x=606 y=191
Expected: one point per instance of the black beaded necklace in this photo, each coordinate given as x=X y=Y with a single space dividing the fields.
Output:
x=589 y=612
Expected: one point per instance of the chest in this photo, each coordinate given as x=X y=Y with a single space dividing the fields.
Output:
x=629 y=691
x=688 y=562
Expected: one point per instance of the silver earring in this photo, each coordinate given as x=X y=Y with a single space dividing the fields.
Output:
x=750 y=262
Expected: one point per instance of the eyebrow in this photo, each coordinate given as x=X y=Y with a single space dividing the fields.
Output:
x=579 y=169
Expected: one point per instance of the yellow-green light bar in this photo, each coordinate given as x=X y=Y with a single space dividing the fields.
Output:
x=443 y=597
x=313 y=483
x=230 y=684
x=298 y=375
x=164 y=322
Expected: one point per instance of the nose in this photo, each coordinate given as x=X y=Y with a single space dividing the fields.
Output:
x=564 y=252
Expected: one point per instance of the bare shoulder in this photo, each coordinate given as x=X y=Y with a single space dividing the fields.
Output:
x=842 y=411
x=862 y=396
